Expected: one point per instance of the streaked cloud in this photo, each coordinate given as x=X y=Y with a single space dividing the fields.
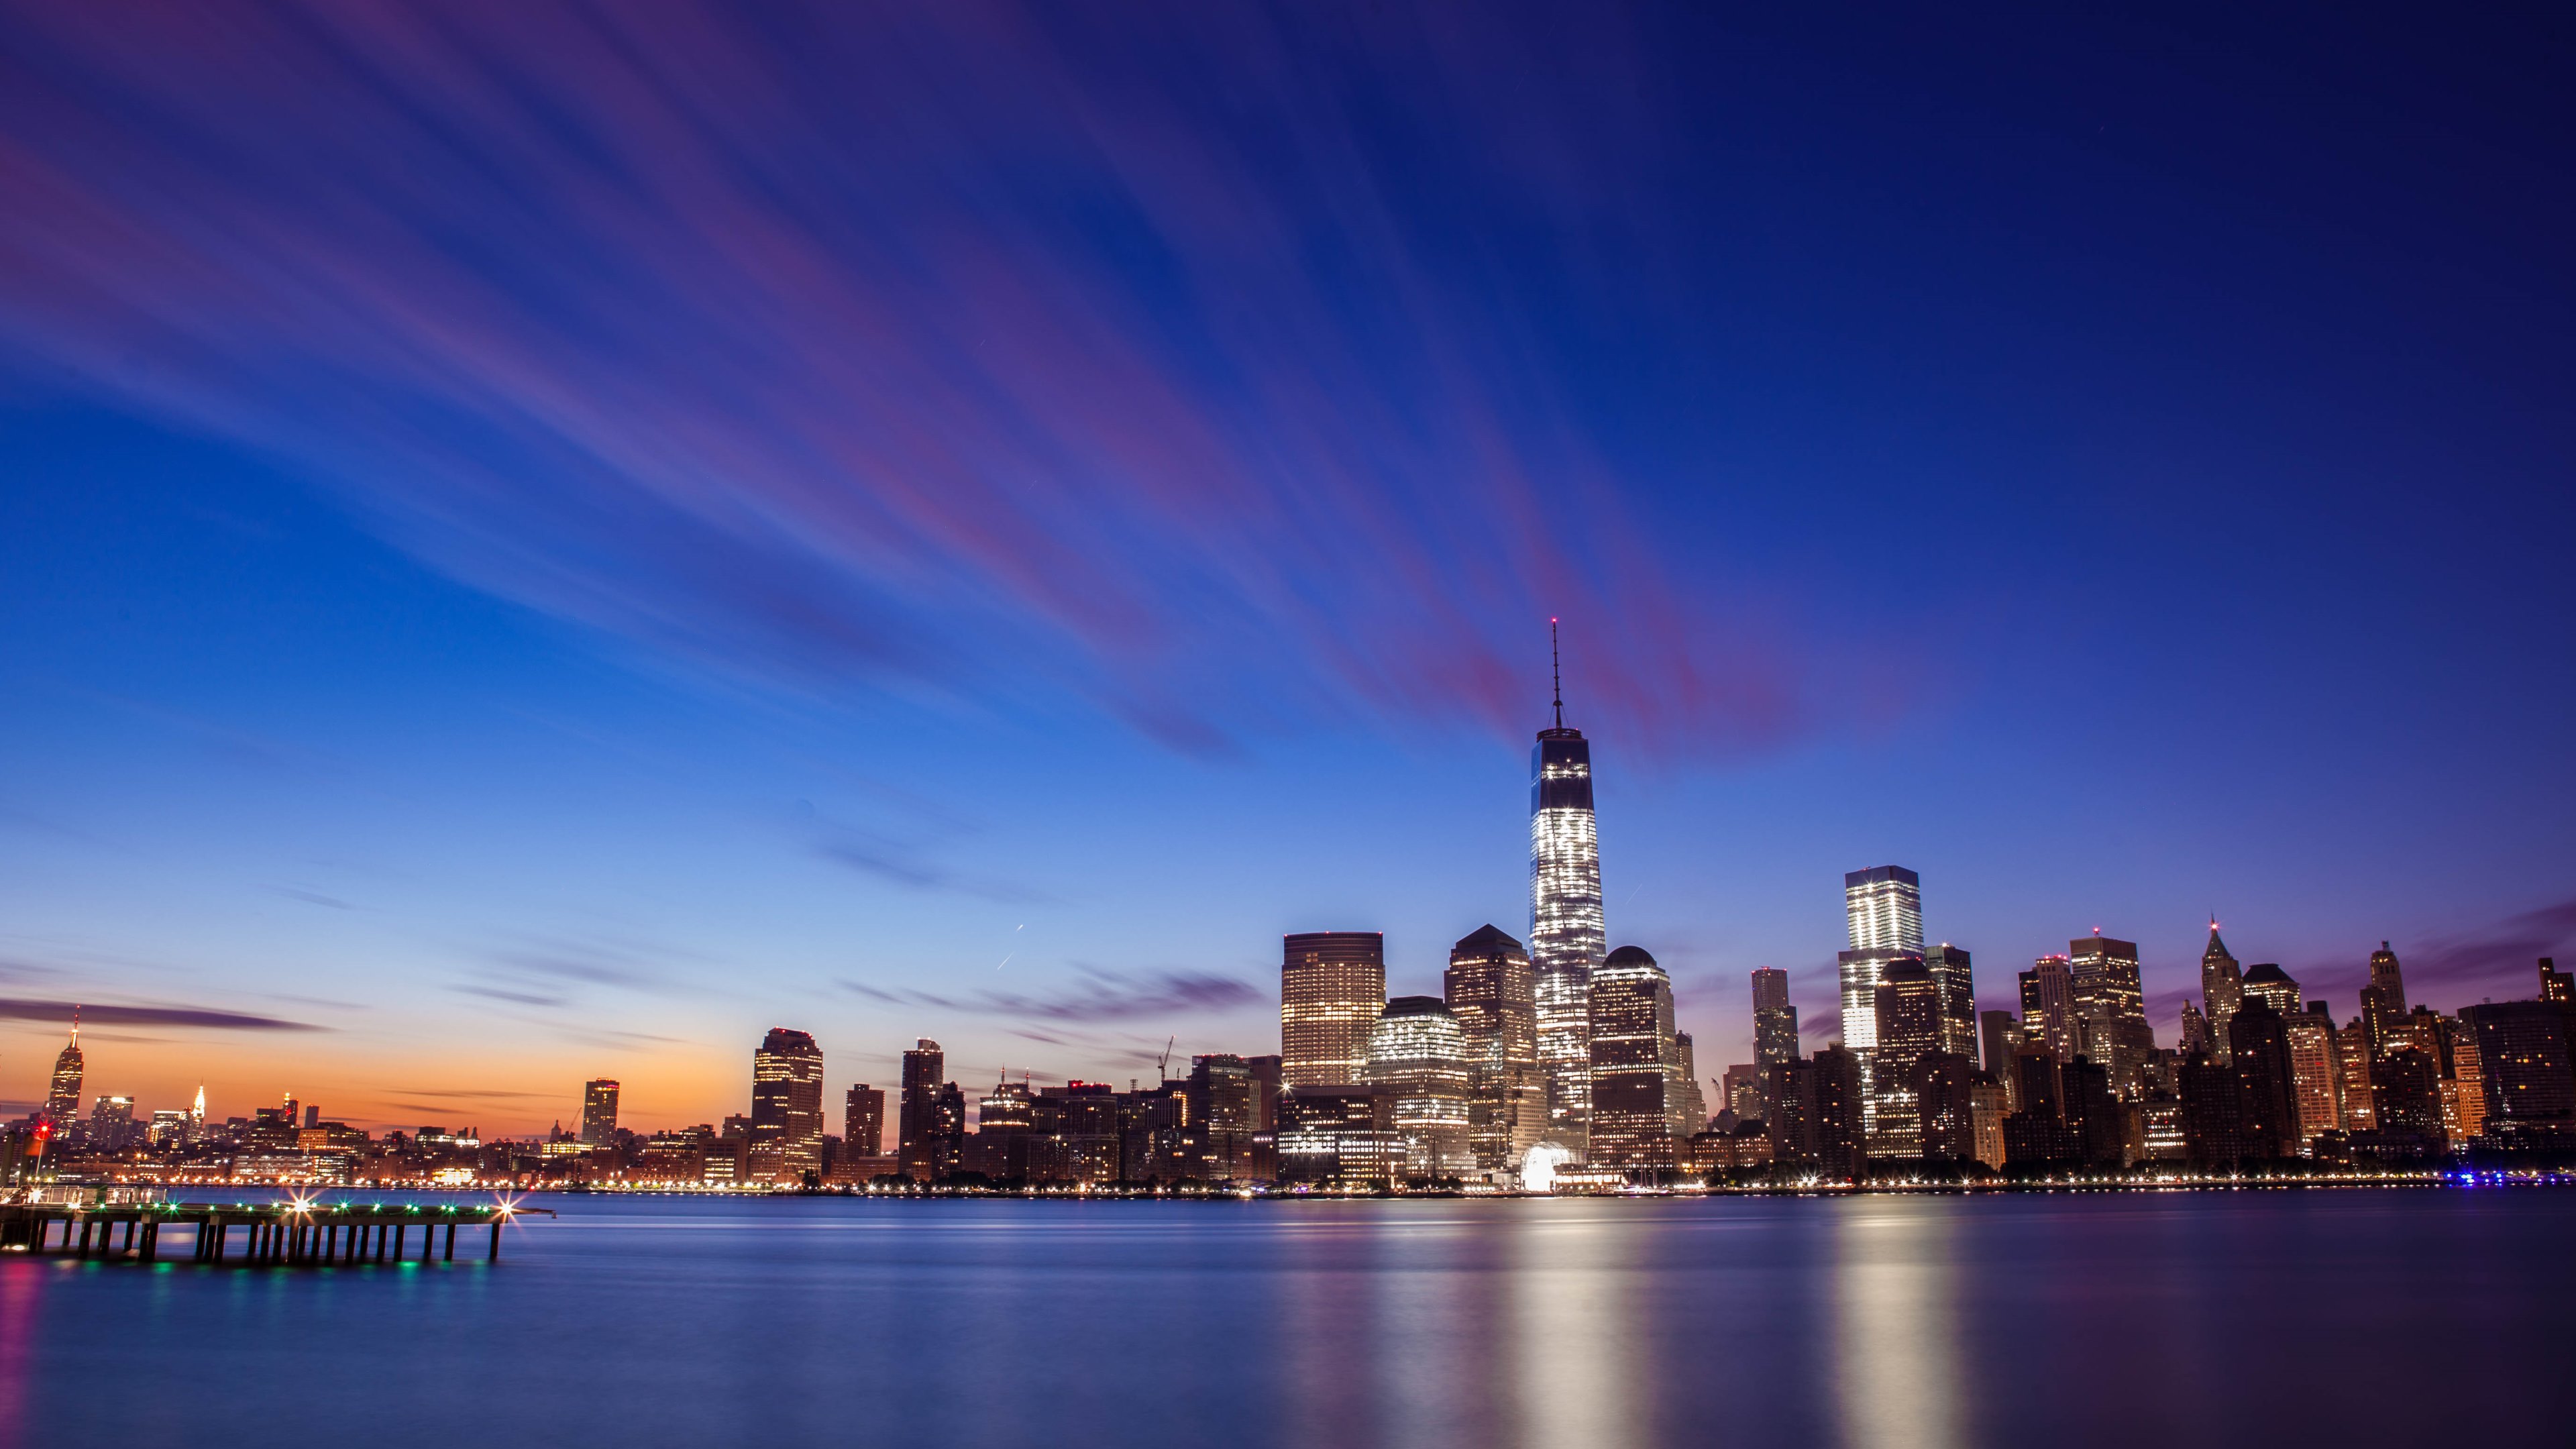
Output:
x=147 y=1014
x=1099 y=996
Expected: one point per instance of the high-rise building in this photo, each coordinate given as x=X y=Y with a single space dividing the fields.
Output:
x=2048 y=1007
x=2212 y=1115
x=1775 y=1021
x=2222 y=987
x=2195 y=1037
x=1341 y=1133
x=1567 y=933
x=2383 y=1001
x=1634 y=1059
x=1954 y=974
x=2464 y=1098
x=2112 y=1003
x=2527 y=1066
x=1689 y=1105
x=1332 y=984
x=917 y=1116
x=2360 y=1102
x=863 y=1121
x=1220 y=1097
x=62 y=1097
x=2268 y=981
x=2408 y=1084
x=1491 y=991
x=1908 y=1030
x=2314 y=1072
x=598 y=1111
x=1418 y=1049
x=1789 y=1091
x=1884 y=907
x=1945 y=1104
x=786 y=1107
x=2266 y=1080
x=2095 y=1119
x=1740 y=1091
x=1988 y=1104
x=2556 y=986
x=1841 y=1133
x=1999 y=1032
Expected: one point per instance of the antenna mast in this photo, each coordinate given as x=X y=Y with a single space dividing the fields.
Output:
x=1555 y=673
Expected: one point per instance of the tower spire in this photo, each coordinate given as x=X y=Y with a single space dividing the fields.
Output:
x=1555 y=673
x=75 y=1023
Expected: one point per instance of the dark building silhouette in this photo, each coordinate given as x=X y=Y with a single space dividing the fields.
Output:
x=1944 y=1099
x=1789 y=1093
x=863 y=1121
x=1221 y=1113
x=2556 y=986
x=2095 y=1129
x=1841 y=1121
x=2267 y=1112
x=598 y=1111
x=2525 y=1050
x=923 y=1143
x=1998 y=1032
x=2407 y=1086
x=2383 y=1001
x=1775 y=1021
x=2212 y=1117
x=786 y=1137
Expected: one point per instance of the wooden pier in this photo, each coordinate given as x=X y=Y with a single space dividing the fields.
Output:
x=253 y=1235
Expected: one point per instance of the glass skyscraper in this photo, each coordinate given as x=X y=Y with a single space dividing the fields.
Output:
x=1633 y=1057
x=1885 y=907
x=1775 y=1021
x=598 y=1111
x=1567 y=937
x=1332 y=985
x=1417 y=1049
x=786 y=1106
x=1490 y=989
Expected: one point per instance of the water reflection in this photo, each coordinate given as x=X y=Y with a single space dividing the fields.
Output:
x=1577 y=1355
x=1898 y=1369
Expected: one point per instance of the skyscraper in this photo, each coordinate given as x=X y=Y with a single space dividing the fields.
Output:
x=1689 y=1105
x=1332 y=984
x=1633 y=1060
x=2383 y=1001
x=786 y=1107
x=917 y=1116
x=1490 y=990
x=62 y=1098
x=2313 y=1071
x=1417 y=1049
x=1909 y=1029
x=599 y=1111
x=1884 y=906
x=1840 y=1131
x=1567 y=934
x=1775 y=1021
x=863 y=1122
x=2113 y=1005
x=1953 y=975
x=2267 y=1081
x=2048 y=1007
x=2222 y=987
x=1999 y=1032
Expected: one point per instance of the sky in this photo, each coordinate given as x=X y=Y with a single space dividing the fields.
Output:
x=542 y=542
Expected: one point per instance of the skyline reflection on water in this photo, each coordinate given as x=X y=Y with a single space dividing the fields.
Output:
x=1874 y=1322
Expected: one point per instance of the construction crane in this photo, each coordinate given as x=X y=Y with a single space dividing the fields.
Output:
x=1163 y=1065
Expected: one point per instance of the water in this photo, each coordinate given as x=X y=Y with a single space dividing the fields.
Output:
x=2346 y=1317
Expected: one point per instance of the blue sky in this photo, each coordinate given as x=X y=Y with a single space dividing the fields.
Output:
x=545 y=545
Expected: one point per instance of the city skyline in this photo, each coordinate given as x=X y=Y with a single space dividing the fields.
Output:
x=522 y=572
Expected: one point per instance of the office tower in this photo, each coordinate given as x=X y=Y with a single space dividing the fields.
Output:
x=1907 y=1030
x=1633 y=1059
x=2314 y=1072
x=2353 y=1077
x=1331 y=986
x=2048 y=1007
x=2383 y=1001
x=2407 y=1085
x=197 y=1112
x=2464 y=1099
x=1953 y=973
x=62 y=1097
x=2528 y=1071
x=1740 y=1092
x=1989 y=1105
x=2423 y=1029
x=2160 y=1131
x=863 y=1122
x=786 y=1107
x=2222 y=986
x=1491 y=990
x=2556 y=986
x=2266 y=1080
x=2195 y=1037
x=598 y=1111
x=2112 y=1003
x=1841 y=1131
x=312 y=1115
x=1220 y=1093
x=1344 y=1133
x=2036 y=1082
x=2001 y=1032
x=2095 y=1118
x=1944 y=1101
x=1789 y=1092
x=1266 y=1081
x=1775 y=1021
x=1567 y=934
x=917 y=1117
x=1884 y=907
x=1689 y=1105
x=2212 y=1130
x=2275 y=986
x=1418 y=1049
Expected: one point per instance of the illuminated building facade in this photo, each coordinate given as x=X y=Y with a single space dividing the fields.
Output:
x=1690 y=1105
x=2112 y=1003
x=1884 y=907
x=1331 y=986
x=2274 y=986
x=1908 y=1030
x=2525 y=1069
x=2314 y=1072
x=2048 y=1007
x=1491 y=989
x=598 y=1111
x=1954 y=975
x=1417 y=1050
x=919 y=1122
x=786 y=1136
x=62 y=1097
x=1340 y=1133
x=863 y=1121
x=1775 y=1021
x=1633 y=1060
x=2383 y=1001
x=1567 y=934
x=2222 y=988
x=2359 y=1104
